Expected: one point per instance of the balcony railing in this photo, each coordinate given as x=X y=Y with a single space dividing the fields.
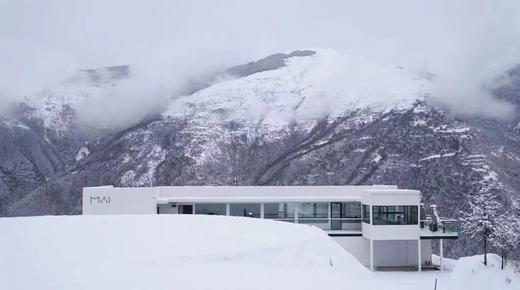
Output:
x=326 y=223
x=446 y=228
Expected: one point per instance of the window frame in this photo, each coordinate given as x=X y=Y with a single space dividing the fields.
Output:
x=365 y=214
x=246 y=205
x=395 y=214
x=285 y=214
x=197 y=206
x=345 y=207
x=318 y=216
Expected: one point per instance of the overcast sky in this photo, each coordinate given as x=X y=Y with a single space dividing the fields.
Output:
x=42 y=41
x=103 y=32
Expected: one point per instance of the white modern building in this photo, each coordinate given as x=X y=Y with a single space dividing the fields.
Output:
x=382 y=226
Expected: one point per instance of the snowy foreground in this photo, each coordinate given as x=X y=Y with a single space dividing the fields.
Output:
x=202 y=252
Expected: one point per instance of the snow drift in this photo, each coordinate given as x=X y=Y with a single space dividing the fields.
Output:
x=470 y=273
x=172 y=252
x=205 y=252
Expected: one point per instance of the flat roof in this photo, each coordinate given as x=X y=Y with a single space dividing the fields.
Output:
x=273 y=193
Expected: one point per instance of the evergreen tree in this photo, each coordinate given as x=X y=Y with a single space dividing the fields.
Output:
x=481 y=217
x=505 y=236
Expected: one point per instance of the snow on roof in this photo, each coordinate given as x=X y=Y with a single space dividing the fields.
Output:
x=165 y=194
x=263 y=193
x=190 y=194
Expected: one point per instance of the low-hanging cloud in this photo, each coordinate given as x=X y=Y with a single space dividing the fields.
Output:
x=152 y=82
x=168 y=43
x=474 y=55
x=24 y=71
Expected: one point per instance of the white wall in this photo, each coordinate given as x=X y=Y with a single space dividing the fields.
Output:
x=359 y=247
x=390 y=253
x=391 y=232
x=395 y=253
x=391 y=197
x=426 y=251
x=351 y=226
x=110 y=200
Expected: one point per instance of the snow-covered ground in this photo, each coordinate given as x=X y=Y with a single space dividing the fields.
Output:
x=470 y=273
x=467 y=273
x=203 y=252
x=171 y=252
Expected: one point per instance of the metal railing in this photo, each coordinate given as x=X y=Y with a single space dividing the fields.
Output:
x=324 y=223
x=314 y=219
x=446 y=227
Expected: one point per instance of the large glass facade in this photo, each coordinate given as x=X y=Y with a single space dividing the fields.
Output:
x=185 y=208
x=279 y=211
x=395 y=215
x=343 y=213
x=210 y=208
x=245 y=209
x=313 y=212
x=351 y=209
x=366 y=213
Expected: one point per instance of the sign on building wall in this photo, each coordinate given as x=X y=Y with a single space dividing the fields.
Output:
x=99 y=199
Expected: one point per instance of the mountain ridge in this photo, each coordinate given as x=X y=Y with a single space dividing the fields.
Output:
x=269 y=128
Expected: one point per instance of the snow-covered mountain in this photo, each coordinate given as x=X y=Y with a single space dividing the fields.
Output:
x=305 y=88
x=304 y=118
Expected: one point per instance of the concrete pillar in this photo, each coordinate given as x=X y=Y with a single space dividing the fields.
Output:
x=371 y=214
x=330 y=215
x=441 y=254
x=419 y=255
x=371 y=255
x=296 y=212
x=228 y=210
x=262 y=210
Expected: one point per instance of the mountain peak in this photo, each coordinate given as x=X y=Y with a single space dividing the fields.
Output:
x=304 y=85
x=103 y=75
x=272 y=62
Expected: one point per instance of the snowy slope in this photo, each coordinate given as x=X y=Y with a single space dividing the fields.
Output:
x=205 y=252
x=55 y=107
x=171 y=252
x=321 y=86
x=470 y=273
x=308 y=87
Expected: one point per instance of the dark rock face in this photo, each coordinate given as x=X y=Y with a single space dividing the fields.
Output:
x=511 y=86
x=26 y=161
x=271 y=62
x=420 y=147
x=105 y=74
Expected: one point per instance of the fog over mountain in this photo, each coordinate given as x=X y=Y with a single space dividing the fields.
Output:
x=422 y=95
x=464 y=44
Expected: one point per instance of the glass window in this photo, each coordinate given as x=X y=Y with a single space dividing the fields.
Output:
x=395 y=215
x=313 y=213
x=245 y=209
x=210 y=208
x=366 y=214
x=282 y=211
x=352 y=209
x=185 y=209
